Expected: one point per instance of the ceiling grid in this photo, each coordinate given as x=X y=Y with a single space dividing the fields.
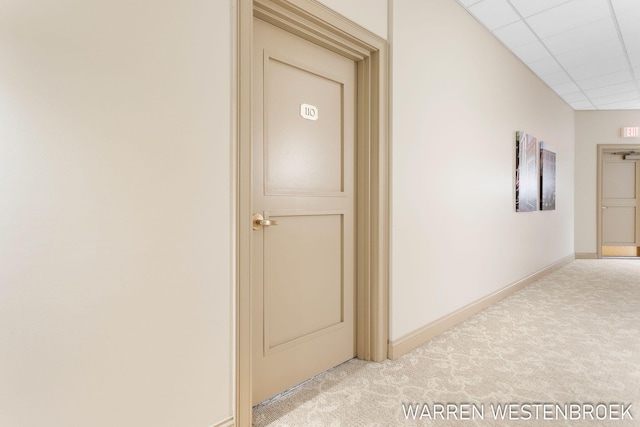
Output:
x=588 y=51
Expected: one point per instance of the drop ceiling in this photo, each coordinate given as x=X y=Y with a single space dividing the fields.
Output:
x=588 y=51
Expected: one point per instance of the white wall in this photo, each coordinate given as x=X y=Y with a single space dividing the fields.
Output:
x=116 y=233
x=458 y=98
x=593 y=128
x=370 y=14
x=115 y=229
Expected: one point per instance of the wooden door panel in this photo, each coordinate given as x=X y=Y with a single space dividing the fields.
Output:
x=619 y=223
x=619 y=180
x=303 y=277
x=302 y=155
x=303 y=268
x=619 y=201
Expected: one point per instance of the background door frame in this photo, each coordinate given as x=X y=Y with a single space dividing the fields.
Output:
x=603 y=148
x=320 y=25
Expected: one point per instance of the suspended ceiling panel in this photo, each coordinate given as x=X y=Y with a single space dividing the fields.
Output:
x=588 y=51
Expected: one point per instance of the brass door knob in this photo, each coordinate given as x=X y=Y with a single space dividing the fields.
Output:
x=259 y=222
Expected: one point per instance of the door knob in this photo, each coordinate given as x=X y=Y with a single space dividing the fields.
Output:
x=259 y=222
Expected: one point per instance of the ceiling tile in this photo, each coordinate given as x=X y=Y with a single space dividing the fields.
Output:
x=634 y=59
x=585 y=35
x=586 y=55
x=494 y=13
x=566 y=88
x=622 y=5
x=629 y=20
x=582 y=105
x=605 y=80
x=575 y=97
x=556 y=79
x=619 y=97
x=632 y=42
x=611 y=90
x=528 y=7
x=516 y=34
x=468 y=3
x=545 y=66
x=568 y=16
x=632 y=104
x=599 y=68
x=532 y=52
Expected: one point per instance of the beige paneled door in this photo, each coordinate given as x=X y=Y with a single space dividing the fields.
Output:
x=619 y=205
x=303 y=274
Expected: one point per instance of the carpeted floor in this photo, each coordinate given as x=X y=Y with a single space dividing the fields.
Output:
x=565 y=351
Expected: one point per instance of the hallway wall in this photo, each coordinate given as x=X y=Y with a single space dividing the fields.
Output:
x=370 y=14
x=459 y=96
x=593 y=128
x=116 y=275
x=115 y=213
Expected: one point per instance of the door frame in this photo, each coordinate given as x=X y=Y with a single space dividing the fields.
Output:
x=602 y=149
x=320 y=25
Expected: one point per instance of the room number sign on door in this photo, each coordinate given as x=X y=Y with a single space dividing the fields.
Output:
x=309 y=112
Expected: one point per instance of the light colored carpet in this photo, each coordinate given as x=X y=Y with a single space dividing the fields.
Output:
x=572 y=337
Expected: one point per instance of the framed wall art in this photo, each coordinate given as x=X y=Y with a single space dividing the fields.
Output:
x=547 y=177
x=527 y=172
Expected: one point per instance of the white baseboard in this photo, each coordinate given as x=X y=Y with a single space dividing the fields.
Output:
x=420 y=336
x=229 y=422
x=586 y=256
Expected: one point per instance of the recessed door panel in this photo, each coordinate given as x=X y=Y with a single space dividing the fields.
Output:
x=302 y=277
x=619 y=180
x=303 y=123
x=619 y=221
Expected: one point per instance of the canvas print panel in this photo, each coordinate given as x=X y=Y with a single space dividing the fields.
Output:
x=547 y=178
x=527 y=172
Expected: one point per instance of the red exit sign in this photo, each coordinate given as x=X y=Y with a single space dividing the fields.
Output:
x=633 y=132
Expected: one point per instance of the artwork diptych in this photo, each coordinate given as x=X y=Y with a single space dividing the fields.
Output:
x=535 y=174
x=527 y=172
